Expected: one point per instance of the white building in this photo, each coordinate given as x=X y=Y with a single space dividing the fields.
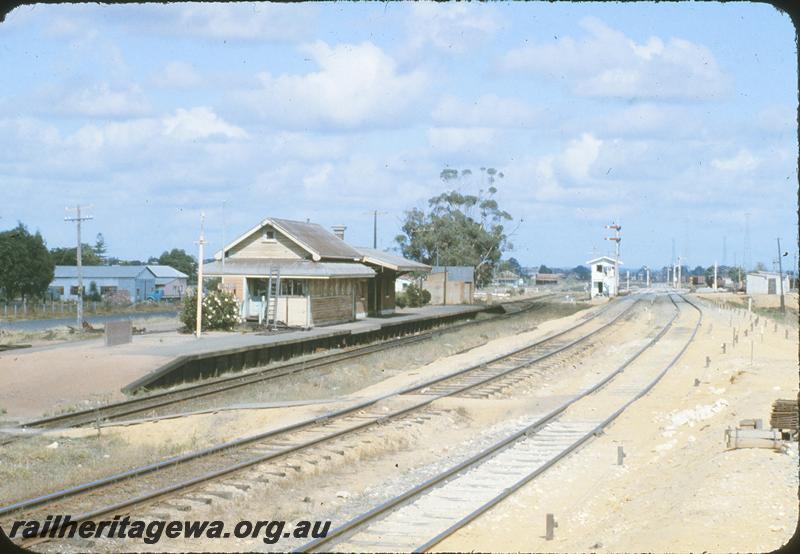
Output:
x=604 y=282
x=766 y=282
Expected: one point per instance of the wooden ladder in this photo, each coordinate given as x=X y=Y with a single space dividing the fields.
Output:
x=273 y=290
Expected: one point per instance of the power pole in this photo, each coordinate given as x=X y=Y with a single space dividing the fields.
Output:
x=715 y=275
x=223 y=243
x=780 y=275
x=200 y=243
x=724 y=250
x=672 y=260
x=616 y=238
x=375 y=214
x=746 y=252
x=78 y=219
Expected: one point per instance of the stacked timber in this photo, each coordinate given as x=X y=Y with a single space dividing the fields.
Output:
x=784 y=414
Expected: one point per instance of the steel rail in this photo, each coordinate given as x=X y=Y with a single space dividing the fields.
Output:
x=72 y=491
x=116 y=410
x=260 y=459
x=481 y=457
x=38 y=501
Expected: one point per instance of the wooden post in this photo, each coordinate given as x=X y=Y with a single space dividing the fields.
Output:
x=620 y=455
x=200 y=243
x=550 y=527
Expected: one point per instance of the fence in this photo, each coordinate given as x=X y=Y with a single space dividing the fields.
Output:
x=45 y=309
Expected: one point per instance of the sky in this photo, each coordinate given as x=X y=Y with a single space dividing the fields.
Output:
x=676 y=120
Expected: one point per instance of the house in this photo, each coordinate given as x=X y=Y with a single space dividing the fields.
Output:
x=546 y=278
x=603 y=276
x=766 y=282
x=451 y=284
x=311 y=275
x=169 y=280
x=136 y=282
x=507 y=279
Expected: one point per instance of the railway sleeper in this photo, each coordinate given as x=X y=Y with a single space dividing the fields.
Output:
x=239 y=485
x=177 y=507
x=221 y=493
x=198 y=499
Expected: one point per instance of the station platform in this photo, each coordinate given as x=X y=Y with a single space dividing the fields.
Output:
x=77 y=375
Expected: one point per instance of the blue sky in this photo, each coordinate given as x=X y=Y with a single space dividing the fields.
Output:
x=675 y=119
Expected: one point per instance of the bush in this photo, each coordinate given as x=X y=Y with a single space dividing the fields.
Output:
x=220 y=310
x=413 y=297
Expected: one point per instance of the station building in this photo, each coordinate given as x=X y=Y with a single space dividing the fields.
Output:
x=603 y=277
x=766 y=282
x=302 y=275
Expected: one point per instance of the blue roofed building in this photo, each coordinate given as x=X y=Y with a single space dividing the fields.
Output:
x=169 y=281
x=137 y=282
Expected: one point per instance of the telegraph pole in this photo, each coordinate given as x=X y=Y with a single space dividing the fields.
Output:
x=78 y=219
x=780 y=275
x=616 y=238
x=223 y=244
x=200 y=243
x=375 y=214
x=715 y=275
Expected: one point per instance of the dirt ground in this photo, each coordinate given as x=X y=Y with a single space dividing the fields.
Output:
x=679 y=489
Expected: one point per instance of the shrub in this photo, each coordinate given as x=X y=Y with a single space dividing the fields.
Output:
x=220 y=310
x=413 y=296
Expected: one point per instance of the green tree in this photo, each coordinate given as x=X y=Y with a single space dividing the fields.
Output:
x=514 y=265
x=93 y=293
x=68 y=256
x=581 y=272
x=100 y=247
x=413 y=297
x=180 y=260
x=543 y=269
x=458 y=229
x=26 y=267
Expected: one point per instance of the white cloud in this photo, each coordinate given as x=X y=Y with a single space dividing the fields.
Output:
x=607 y=63
x=357 y=84
x=453 y=28
x=199 y=123
x=488 y=110
x=777 y=118
x=741 y=162
x=248 y=21
x=177 y=75
x=102 y=100
x=453 y=139
x=317 y=181
x=579 y=156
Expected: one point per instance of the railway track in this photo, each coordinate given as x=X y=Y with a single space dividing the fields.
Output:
x=425 y=515
x=183 y=474
x=151 y=404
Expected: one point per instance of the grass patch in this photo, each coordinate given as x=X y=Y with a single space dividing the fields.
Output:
x=30 y=467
